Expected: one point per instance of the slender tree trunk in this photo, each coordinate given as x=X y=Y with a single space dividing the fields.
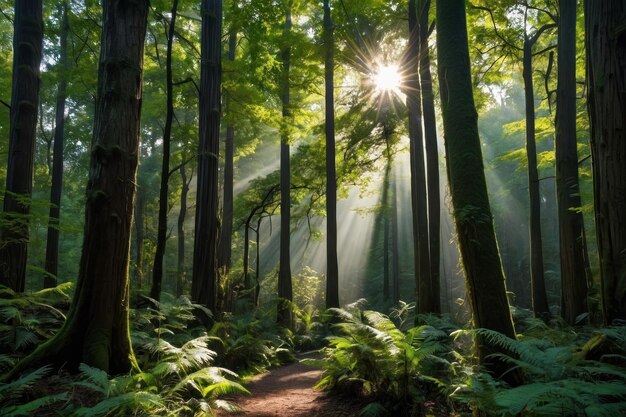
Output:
x=537 y=282
x=96 y=331
x=52 y=244
x=204 y=282
x=285 y=291
x=574 y=269
x=140 y=235
x=432 y=158
x=606 y=77
x=385 y=217
x=159 y=254
x=418 y=170
x=226 y=232
x=27 y=51
x=257 y=270
x=332 y=268
x=180 y=282
x=472 y=214
x=395 y=250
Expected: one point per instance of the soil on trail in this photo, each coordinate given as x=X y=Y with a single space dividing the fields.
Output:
x=288 y=391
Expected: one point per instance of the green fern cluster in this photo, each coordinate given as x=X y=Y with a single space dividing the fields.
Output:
x=562 y=381
x=370 y=356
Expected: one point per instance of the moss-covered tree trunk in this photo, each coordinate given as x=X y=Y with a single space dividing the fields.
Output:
x=159 y=253
x=606 y=77
x=419 y=204
x=52 y=242
x=27 y=51
x=332 y=268
x=96 y=330
x=204 y=281
x=285 y=291
x=574 y=262
x=432 y=157
x=472 y=214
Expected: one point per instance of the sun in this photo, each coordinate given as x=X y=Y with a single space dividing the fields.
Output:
x=387 y=78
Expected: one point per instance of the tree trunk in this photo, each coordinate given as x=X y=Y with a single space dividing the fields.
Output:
x=140 y=235
x=226 y=232
x=537 y=282
x=472 y=214
x=606 y=77
x=574 y=268
x=180 y=282
x=27 y=51
x=385 y=217
x=285 y=291
x=96 y=330
x=432 y=158
x=52 y=244
x=395 y=250
x=332 y=268
x=159 y=254
x=418 y=172
x=203 y=287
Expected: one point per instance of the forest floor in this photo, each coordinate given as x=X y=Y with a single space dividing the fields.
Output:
x=288 y=392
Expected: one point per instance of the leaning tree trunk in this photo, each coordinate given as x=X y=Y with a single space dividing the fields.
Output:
x=537 y=282
x=472 y=214
x=419 y=205
x=96 y=330
x=14 y=234
x=285 y=292
x=432 y=158
x=606 y=77
x=332 y=268
x=574 y=268
x=159 y=253
x=204 y=281
x=52 y=243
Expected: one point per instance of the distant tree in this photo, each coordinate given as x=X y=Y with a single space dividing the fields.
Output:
x=575 y=276
x=285 y=291
x=204 y=281
x=182 y=214
x=52 y=244
x=14 y=232
x=606 y=78
x=96 y=331
x=470 y=202
x=332 y=269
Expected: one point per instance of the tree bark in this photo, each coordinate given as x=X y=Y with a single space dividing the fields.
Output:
x=332 y=268
x=27 y=51
x=159 y=254
x=574 y=267
x=96 y=331
x=52 y=243
x=395 y=250
x=204 y=282
x=537 y=281
x=140 y=235
x=418 y=170
x=432 y=158
x=606 y=77
x=472 y=214
x=285 y=292
x=180 y=282
x=385 y=217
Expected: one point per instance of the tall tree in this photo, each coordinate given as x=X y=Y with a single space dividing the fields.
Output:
x=606 y=77
x=96 y=330
x=159 y=254
x=574 y=263
x=432 y=156
x=418 y=169
x=27 y=51
x=332 y=268
x=285 y=291
x=52 y=244
x=204 y=280
x=182 y=214
x=472 y=214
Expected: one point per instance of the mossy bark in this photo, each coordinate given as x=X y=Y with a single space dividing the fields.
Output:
x=472 y=214
x=606 y=77
x=96 y=331
x=27 y=51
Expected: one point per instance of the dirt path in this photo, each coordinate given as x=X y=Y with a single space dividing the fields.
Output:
x=288 y=391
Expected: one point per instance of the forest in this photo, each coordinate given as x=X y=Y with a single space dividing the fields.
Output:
x=313 y=208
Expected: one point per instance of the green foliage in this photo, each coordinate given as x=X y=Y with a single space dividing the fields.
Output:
x=14 y=400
